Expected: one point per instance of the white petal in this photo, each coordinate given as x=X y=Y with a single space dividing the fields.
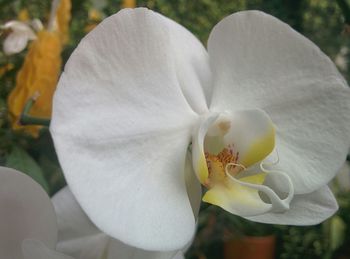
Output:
x=192 y=67
x=117 y=249
x=77 y=236
x=34 y=249
x=16 y=26
x=71 y=220
x=305 y=209
x=25 y=212
x=37 y=25
x=121 y=127
x=20 y=27
x=86 y=247
x=260 y=62
x=179 y=255
x=15 y=42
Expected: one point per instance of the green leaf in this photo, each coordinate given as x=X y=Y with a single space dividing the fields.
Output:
x=19 y=159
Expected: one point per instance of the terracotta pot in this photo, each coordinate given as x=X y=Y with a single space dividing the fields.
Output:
x=250 y=248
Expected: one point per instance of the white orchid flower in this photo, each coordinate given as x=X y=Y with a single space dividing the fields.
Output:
x=140 y=88
x=18 y=39
x=28 y=228
x=80 y=238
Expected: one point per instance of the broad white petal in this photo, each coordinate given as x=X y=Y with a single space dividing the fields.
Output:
x=117 y=249
x=121 y=127
x=25 y=212
x=34 y=249
x=15 y=42
x=260 y=62
x=305 y=209
x=192 y=67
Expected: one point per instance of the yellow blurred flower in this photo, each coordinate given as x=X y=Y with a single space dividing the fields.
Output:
x=23 y=15
x=41 y=68
x=95 y=17
x=129 y=4
x=38 y=76
x=90 y=27
x=63 y=16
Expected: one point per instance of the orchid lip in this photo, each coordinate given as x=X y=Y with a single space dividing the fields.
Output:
x=232 y=148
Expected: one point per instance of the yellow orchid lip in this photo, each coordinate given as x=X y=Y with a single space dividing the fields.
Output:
x=228 y=157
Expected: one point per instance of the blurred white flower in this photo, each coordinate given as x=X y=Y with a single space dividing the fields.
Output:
x=343 y=177
x=78 y=236
x=37 y=24
x=140 y=94
x=18 y=38
x=28 y=228
x=341 y=59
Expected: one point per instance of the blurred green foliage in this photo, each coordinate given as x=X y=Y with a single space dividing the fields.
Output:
x=320 y=20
